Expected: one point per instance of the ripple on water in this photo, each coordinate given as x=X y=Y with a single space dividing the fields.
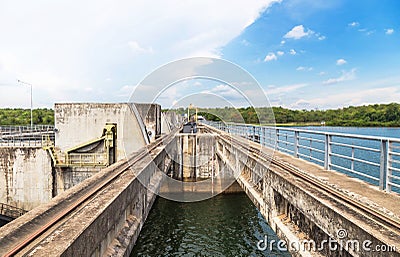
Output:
x=226 y=225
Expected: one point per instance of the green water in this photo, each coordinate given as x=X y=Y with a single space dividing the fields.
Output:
x=226 y=225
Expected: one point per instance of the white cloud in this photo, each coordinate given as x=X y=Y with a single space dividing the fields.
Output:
x=126 y=90
x=64 y=55
x=302 y=68
x=245 y=42
x=270 y=57
x=361 y=97
x=292 y=52
x=280 y=53
x=136 y=48
x=279 y=90
x=389 y=31
x=341 y=62
x=366 y=31
x=224 y=91
x=322 y=73
x=354 y=24
x=370 y=32
x=321 y=37
x=298 y=32
x=283 y=42
x=346 y=75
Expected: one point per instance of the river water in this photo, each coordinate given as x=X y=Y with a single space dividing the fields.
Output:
x=370 y=131
x=226 y=225
x=372 y=170
x=230 y=225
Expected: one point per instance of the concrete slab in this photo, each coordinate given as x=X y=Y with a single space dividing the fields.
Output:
x=366 y=193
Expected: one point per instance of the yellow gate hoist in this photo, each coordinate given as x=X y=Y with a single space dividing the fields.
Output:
x=89 y=153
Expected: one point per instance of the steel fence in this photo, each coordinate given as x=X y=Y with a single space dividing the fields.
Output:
x=26 y=135
x=11 y=211
x=373 y=159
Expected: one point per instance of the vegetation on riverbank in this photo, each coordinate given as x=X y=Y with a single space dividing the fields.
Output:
x=23 y=116
x=357 y=116
x=377 y=115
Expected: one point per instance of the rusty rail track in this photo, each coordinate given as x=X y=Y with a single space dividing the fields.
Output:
x=81 y=201
x=391 y=223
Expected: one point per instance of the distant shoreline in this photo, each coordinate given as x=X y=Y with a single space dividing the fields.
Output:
x=319 y=125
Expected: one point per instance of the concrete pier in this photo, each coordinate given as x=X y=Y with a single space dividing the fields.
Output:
x=27 y=177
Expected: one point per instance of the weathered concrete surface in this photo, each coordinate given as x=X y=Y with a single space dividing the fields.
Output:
x=298 y=210
x=26 y=179
x=68 y=177
x=108 y=224
x=78 y=123
x=197 y=156
x=151 y=116
x=169 y=120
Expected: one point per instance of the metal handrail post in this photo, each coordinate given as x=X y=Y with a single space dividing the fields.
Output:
x=296 y=144
x=385 y=171
x=327 y=159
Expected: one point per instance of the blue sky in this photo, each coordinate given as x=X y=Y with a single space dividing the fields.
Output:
x=305 y=54
x=338 y=53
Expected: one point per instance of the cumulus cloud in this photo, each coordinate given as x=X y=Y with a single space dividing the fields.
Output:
x=354 y=24
x=278 y=90
x=136 y=48
x=346 y=75
x=298 y=32
x=341 y=62
x=362 y=97
x=69 y=53
x=389 y=31
x=302 y=68
x=245 y=42
x=280 y=53
x=270 y=57
x=292 y=52
x=224 y=91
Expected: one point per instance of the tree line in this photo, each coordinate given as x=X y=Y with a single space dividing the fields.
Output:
x=366 y=115
x=22 y=117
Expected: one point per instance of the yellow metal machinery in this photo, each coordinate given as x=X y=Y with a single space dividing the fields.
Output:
x=88 y=153
x=191 y=106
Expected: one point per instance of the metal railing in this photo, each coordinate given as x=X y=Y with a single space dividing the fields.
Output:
x=85 y=159
x=373 y=159
x=11 y=211
x=25 y=135
x=9 y=130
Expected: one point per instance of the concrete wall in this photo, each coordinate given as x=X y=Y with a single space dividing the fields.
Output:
x=25 y=176
x=109 y=223
x=169 y=120
x=68 y=177
x=151 y=116
x=197 y=156
x=297 y=210
x=78 y=123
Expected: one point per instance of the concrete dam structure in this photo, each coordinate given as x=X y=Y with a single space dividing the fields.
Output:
x=100 y=176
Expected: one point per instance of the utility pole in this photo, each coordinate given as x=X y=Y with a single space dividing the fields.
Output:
x=28 y=84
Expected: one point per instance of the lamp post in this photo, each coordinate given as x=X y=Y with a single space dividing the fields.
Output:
x=28 y=84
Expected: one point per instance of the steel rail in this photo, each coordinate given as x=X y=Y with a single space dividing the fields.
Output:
x=85 y=198
x=394 y=223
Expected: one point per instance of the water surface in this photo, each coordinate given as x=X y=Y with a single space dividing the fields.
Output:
x=226 y=225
